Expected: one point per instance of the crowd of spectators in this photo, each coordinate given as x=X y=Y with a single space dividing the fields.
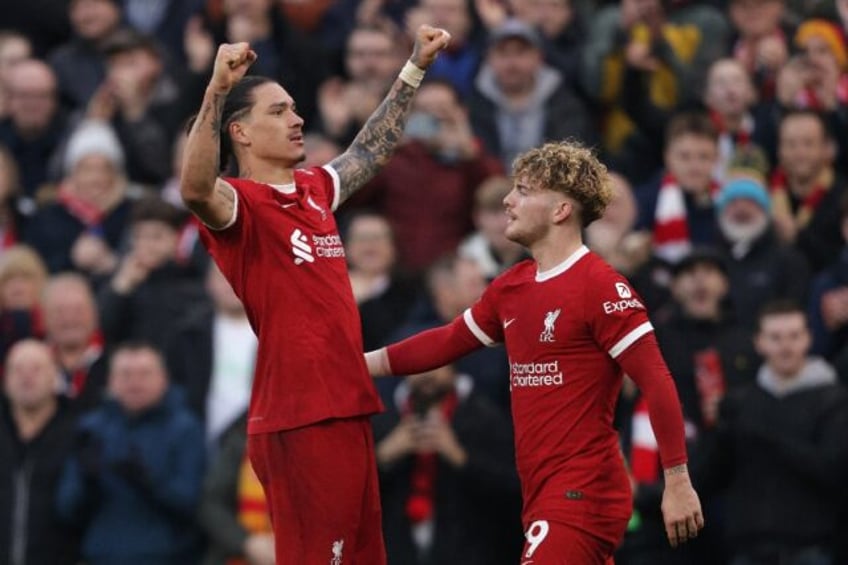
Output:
x=127 y=358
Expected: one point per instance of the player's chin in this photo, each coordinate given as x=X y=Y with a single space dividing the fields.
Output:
x=512 y=234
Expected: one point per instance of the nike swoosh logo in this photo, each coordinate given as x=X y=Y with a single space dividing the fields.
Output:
x=507 y=323
x=527 y=562
x=288 y=205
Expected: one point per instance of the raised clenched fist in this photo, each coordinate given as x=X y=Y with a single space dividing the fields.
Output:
x=429 y=41
x=231 y=64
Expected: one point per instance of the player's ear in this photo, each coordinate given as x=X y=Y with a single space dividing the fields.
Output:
x=563 y=210
x=238 y=133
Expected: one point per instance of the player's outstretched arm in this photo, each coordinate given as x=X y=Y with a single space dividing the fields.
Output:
x=423 y=351
x=377 y=139
x=206 y=195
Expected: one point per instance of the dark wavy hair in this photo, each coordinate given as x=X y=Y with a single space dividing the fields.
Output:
x=239 y=101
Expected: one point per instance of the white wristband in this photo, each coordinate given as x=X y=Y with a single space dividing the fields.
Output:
x=378 y=363
x=411 y=74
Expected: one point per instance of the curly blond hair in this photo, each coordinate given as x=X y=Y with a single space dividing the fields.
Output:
x=570 y=168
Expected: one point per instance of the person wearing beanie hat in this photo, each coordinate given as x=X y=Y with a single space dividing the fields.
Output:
x=760 y=268
x=826 y=57
x=743 y=188
x=85 y=225
x=820 y=34
x=93 y=137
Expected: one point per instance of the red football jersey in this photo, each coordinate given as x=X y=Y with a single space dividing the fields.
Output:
x=283 y=255
x=563 y=330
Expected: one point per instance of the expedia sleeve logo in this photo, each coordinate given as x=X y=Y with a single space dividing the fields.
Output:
x=627 y=300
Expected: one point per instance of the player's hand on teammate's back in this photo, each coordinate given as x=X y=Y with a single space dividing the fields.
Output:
x=231 y=64
x=429 y=41
x=681 y=509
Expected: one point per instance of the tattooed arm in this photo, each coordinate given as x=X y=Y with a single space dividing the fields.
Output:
x=375 y=143
x=210 y=198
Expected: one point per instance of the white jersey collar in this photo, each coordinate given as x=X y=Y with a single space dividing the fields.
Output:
x=288 y=188
x=542 y=276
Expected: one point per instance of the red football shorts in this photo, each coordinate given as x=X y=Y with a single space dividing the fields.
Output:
x=321 y=485
x=554 y=543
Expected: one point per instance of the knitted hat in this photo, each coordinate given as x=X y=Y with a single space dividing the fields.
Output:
x=829 y=32
x=93 y=137
x=743 y=188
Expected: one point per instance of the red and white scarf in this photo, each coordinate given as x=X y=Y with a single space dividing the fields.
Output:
x=89 y=214
x=671 y=226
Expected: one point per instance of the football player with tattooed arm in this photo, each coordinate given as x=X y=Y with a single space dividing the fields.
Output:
x=270 y=229
x=572 y=326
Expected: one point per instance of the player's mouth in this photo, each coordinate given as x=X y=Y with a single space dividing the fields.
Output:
x=296 y=138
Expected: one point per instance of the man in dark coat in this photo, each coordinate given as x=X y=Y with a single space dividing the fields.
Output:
x=36 y=437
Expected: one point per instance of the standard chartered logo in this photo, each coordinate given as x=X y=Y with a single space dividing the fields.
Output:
x=531 y=375
x=305 y=250
x=301 y=248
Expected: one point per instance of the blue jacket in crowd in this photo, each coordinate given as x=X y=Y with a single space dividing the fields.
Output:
x=134 y=483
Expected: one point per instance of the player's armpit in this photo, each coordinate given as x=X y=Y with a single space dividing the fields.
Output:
x=220 y=209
